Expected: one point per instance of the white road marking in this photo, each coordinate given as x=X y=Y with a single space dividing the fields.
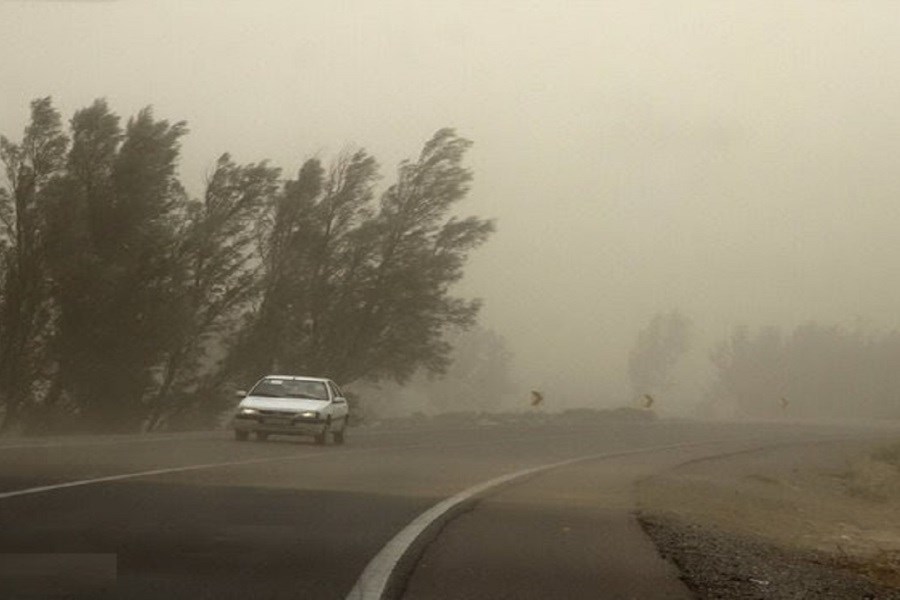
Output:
x=197 y=435
x=136 y=439
x=198 y=467
x=120 y=477
x=374 y=580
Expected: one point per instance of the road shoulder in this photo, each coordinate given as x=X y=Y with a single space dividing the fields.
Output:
x=796 y=521
x=567 y=533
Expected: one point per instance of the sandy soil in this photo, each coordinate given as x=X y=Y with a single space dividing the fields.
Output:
x=829 y=504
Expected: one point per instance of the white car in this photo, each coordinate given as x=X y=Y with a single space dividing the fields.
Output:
x=292 y=405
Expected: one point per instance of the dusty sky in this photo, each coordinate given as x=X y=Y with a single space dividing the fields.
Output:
x=736 y=160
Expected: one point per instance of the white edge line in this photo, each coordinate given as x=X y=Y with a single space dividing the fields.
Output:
x=373 y=581
x=108 y=478
x=212 y=434
x=202 y=466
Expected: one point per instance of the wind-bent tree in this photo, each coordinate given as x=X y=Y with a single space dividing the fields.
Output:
x=418 y=254
x=657 y=350
x=125 y=304
x=25 y=310
x=355 y=289
x=115 y=262
x=288 y=237
x=217 y=253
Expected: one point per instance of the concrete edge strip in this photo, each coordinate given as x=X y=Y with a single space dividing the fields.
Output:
x=376 y=578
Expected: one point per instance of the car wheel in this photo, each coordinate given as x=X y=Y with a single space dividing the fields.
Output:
x=261 y=436
x=321 y=438
x=338 y=436
x=241 y=436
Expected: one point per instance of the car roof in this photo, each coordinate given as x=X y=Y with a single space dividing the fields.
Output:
x=297 y=378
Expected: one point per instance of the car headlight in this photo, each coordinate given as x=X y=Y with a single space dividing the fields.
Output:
x=249 y=411
x=309 y=414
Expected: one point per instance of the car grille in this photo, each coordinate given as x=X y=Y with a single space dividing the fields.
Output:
x=287 y=415
x=277 y=413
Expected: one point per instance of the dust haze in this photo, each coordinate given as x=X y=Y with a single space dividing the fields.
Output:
x=733 y=162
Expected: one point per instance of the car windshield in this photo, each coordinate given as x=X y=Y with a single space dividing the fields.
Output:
x=291 y=388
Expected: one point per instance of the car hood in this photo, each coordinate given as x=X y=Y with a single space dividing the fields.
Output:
x=297 y=404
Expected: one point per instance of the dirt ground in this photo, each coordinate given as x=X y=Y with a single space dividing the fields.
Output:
x=835 y=504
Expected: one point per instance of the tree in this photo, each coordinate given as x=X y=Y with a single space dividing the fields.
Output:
x=125 y=304
x=417 y=253
x=306 y=242
x=657 y=350
x=25 y=310
x=217 y=252
x=358 y=291
x=750 y=370
x=115 y=262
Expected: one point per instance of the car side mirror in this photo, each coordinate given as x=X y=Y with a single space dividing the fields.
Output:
x=340 y=400
x=241 y=393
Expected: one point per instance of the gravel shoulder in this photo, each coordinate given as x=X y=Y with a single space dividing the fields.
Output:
x=812 y=521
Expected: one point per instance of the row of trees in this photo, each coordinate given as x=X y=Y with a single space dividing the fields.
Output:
x=126 y=303
x=815 y=370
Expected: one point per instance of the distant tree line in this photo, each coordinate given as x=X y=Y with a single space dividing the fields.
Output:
x=125 y=303
x=817 y=371
x=813 y=371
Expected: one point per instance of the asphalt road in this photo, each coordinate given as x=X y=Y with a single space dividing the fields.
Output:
x=202 y=516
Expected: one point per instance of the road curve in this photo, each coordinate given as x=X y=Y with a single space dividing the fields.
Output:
x=202 y=516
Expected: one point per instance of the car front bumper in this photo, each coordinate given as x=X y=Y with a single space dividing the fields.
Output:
x=278 y=425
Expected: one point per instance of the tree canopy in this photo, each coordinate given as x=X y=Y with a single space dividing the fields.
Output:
x=127 y=303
